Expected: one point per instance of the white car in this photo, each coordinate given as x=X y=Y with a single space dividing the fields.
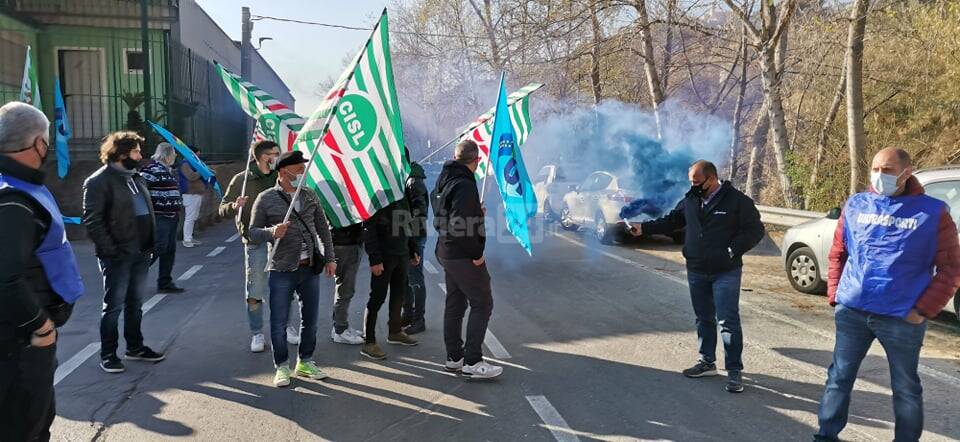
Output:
x=806 y=246
x=550 y=186
x=596 y=202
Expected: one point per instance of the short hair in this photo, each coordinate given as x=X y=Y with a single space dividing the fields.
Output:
x=163 y=150
x=709 y=169
x=466 y=152
x=261 y=146
x=118 y=144
x=20 y=125
x=904 y=157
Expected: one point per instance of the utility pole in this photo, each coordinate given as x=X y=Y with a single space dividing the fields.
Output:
x=145 y=41
x=246 y=68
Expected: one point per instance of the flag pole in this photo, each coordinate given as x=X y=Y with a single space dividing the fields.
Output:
x=246 y=173
x=486 y=174
x=323 y=132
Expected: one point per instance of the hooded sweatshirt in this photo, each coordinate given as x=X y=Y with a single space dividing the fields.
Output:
x=457 y=214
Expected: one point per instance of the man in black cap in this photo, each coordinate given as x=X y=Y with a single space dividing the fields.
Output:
x=294 y=248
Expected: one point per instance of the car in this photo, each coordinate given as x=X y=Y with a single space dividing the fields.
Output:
x=550 y=185
x=806 y=246
x=596 y=202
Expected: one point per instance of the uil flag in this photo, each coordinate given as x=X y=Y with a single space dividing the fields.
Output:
x=29 y=89
x=516 y=191
x=191 y=158
x=482 y=128
x=275 y=121
x=62 y=126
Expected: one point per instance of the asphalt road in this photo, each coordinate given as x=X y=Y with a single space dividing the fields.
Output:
x=592 y=338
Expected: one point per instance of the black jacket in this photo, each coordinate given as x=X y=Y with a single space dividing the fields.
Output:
x=457 y=214
x=417 y=195
x=731 y=220
x=347 y=236
x=26 y=298
x=108 y=212
x=387 y=233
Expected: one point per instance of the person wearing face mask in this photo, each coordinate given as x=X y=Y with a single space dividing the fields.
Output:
x=119 y=216
x=295 y=245
x=259 y=177
x=167 y=204
x=39 y=279
x=894 y=263
x=720 y=225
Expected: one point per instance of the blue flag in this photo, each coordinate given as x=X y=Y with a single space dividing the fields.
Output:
x=190 y=157
x=72 y=220
x=519 y=202
x=62 y=126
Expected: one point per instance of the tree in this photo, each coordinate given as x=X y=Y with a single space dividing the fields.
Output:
x=649 y=63
x=856 y=139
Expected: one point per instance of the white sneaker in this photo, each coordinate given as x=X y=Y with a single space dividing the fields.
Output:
x=453 y=366
x=293 y=335
x=481 y=370
x=189 y=244
x=197 y=242
x=256 y=344
x=345 y=338
x=355 y=332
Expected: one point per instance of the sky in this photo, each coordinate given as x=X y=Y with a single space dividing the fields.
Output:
x=303 y=55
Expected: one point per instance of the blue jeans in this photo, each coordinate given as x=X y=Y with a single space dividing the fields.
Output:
x=282 y=287
x=901 y=341
x=716 y=300
x=256 y=277
x=124 y=287
x=414 y=303
x=166 y=249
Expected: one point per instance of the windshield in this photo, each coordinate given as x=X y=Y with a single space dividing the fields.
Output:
x=948 y=192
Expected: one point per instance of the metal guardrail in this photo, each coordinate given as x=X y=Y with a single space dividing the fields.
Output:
x=779 y=216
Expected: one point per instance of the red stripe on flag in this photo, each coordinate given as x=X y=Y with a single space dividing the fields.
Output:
x=336 y=93
x=291 y=140
x=480 y=142
x=278 y=106
x=351 y=188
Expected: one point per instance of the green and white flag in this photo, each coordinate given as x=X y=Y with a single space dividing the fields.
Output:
x=481 y=129
x=275 y=121
x=29 y=89
x=360 y=166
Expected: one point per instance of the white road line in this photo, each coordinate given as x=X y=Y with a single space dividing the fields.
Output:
x=443 y=287
x=925 y=369
x=430 y=267
x=552 y=419
x=190 y=272
x=233 y=238
x=152 y=302
x=78 y=359
x=216 y=251
x=496 y=348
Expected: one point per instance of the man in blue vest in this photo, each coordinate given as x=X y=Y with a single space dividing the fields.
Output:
x=894 y=264
x=39 y=280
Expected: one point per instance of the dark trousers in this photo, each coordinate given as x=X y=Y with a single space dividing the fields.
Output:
x=414 y=303
x=124 y=287
x=716 y=300
x=282 y=286
x=394 y=279
x=467 y=284
x=26 y=394
x=166 y=251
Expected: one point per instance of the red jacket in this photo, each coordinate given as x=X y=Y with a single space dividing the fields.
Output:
x=947 y=261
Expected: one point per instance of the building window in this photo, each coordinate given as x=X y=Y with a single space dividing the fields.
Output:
x=13 y=54
x=134 y=60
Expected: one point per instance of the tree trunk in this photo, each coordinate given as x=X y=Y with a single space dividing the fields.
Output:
x=486 y=18
x=824 y=129
x=649 y=63
x=773 y=101
x=595 y=55
x=668 y=46
x=757 y=142
x=738 y=109
x=856 y=139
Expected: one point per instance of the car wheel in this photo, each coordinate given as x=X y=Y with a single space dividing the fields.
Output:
x=602 y=231
x=566 y=219
x=804 y=271
x=677 y=237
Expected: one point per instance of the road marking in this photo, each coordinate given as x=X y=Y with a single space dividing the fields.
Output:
x=233 y=238
x=430 y=267
x=190 y=272
x=216 y=251
x=922 y=368
x=78 y=359
x=152 y=302
x=493 y=344
x=552 y=419
x=443 y=287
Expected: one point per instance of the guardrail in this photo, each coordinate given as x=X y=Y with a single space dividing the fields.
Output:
x=779 y=216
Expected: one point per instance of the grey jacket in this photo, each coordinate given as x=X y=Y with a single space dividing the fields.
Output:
x=269 y=210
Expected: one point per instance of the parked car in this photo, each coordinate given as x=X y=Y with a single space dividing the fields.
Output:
x=596 y=203
x=806 y=246
x=550 y=185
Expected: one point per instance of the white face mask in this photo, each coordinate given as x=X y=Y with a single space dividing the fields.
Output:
x=295 y=181
x=884 y=184
x=272 y=162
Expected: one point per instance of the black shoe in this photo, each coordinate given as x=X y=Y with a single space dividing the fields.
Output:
x=145 y=354
x=170 y=289
x=702 y=369
x=418 y=326
x=405 y=322
x=734 y=382
x=112 y=364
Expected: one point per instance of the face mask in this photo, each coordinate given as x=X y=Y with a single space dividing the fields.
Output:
x=295 y=181
x=129 y=163
x=43 y=158
x=700 y=189
x=272 y=162
x=884 y=184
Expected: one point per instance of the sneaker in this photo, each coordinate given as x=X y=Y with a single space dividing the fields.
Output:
x=418 y=326
x=345 y=338
x=189 y=244
x=734 y=382
x=256 y=344
x=170 y=288
x=355 y=332
x=702 y=369
x=112 y=364
x=401 y=339
x=481 y=370
x=293 y=335
x=197 y=242
x=373 y=351
x=144 y=354
x=310 y=370
x=453 y=366
x=282 y=378
x=405 y=322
